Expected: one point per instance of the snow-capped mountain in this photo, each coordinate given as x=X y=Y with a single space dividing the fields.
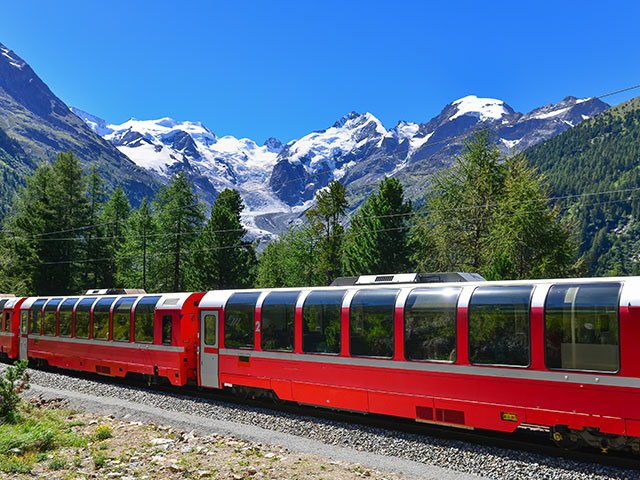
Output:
x=278 y=182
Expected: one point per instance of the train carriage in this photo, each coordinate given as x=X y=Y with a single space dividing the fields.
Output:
x=116 y=335
x=496 y=355
x=9 y=326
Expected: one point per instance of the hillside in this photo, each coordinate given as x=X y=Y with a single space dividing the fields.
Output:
x=599 y=155
x=35 y=125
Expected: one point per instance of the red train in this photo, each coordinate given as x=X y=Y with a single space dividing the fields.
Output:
x=450 y=349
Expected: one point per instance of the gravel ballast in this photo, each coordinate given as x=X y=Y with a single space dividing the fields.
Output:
x=393 y=451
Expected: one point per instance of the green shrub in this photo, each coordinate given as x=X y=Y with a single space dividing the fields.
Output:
x=99 y=460
x=16 y=464
x=14 y=381
x=103 y=432
x=57 y=463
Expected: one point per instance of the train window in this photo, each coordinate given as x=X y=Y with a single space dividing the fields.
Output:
x=65 y=317
x=7 y=321
x=122 y=319
x=210 y=329
x=239 y=317
x=101 y=318
x=167 y=324
x=321 y=324
x=49 y=322
x=581 y=327
x=430 y=324
x=278 y=317
x=371 y=332
x=24 y=317
x=499 y=326
x=36 y=316
x=83 y=316
x=143 y=319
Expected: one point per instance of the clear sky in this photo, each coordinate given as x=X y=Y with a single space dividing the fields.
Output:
x=284 y=68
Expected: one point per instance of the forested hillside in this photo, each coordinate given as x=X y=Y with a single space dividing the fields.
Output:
x=596 y=165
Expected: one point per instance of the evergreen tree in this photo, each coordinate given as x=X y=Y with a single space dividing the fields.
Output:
x=325 y=219
x=461 y=205
x=180 y=219
x=221 y=258
x=48 y=224
x=33 y=216
x=95 y=246
x=70 y=204
x=377 y=240
x=114 y=218
x=132 y=258
x=488 y=214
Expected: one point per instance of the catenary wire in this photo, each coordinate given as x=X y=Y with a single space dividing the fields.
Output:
x=305 y=177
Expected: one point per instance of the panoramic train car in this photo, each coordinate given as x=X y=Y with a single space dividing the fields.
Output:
x=152 y=335
x=561 y=354
x=9 y=329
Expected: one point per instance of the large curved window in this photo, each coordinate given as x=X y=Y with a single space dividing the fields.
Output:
x=371 y=329
x=430 y=324
x=65 y=317
x=277 y=321
x=83 y=317
x=122 y=319
x=321 y=322
x=239 y=318
x=36 y=316
x=101 y=318
x=143 y=323
x=581 y=327
x=499 y=325
x=50 y=312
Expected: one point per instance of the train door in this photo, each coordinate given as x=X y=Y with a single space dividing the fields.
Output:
x=209 y=342
x=24 y=335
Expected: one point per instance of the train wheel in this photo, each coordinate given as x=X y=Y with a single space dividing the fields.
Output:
x=565 y=438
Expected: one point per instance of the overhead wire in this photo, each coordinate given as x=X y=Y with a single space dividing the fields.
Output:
x=403 y=152
x=306 y=177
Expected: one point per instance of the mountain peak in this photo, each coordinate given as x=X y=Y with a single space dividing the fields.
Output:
x=483 y=108
x=273 y=145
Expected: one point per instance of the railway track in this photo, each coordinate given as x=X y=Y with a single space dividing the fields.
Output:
x=522 y=441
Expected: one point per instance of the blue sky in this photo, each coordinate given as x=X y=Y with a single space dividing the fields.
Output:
x=284 y=68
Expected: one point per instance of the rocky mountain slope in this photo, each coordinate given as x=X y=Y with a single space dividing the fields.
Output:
x=35 y=125
x=278 y=182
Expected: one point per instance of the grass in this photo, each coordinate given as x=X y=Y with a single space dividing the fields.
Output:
x=99 y=460
x=35 y=432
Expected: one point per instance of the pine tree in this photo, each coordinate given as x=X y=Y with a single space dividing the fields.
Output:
x=488 y=214
x=70 y=204
x=180 y=219
x=48 y=224
x=325 y=219
x=114 y=217
x=95 y=245
x=377 y=240
x=221 y=258
x=133 y=256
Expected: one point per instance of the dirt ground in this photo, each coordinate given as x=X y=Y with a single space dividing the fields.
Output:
x=131 y=450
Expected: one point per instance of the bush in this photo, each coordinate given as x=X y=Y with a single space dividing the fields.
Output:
x=103 y=432
x=14 y=381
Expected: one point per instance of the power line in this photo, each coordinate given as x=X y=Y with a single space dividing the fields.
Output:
x=306 y=177
x=320 y=237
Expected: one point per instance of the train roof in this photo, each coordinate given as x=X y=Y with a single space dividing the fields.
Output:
x=216 y=298
x=166 y=300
